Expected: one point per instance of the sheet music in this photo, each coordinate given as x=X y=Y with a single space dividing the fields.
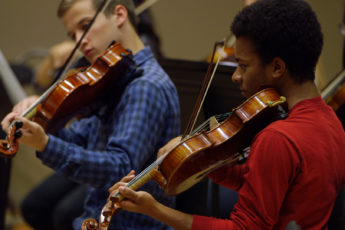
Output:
x=13 y=87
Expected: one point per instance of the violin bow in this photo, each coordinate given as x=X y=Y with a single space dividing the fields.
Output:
x=205 y=87
x=143 y=6
x=10 y=145
x=31 y=110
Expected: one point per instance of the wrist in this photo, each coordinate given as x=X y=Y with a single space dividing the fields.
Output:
x=43 y=144
x=174 y=218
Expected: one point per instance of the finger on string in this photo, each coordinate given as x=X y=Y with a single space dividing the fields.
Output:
x=114 y=188
x=127 y=192
x=129 y=176
x=8 y=120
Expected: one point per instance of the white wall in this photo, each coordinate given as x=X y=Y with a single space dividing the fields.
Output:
x=188 y=28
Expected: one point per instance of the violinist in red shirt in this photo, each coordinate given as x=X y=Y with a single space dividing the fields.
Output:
x=295 y=167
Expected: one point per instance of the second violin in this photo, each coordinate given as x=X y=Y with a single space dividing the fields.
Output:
x=198 y=155
x=67 y=96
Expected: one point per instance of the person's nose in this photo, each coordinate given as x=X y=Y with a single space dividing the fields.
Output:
x=236 y=76
x=78 y=36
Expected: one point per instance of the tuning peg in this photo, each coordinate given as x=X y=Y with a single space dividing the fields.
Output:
x=17 y=134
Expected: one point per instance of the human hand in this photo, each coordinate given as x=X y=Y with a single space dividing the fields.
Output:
x=136 y=201
x=144 y=203
x=6 y=122
x=33 y=134
x=56 y=58
x=133 y=201
x=60 y=52
x=24 y=104
x=123 y=182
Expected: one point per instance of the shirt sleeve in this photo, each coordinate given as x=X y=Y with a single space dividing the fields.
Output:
x=235 y=172
x=272 y=166
x=135 y=131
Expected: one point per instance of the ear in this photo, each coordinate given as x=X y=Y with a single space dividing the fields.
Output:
x=278 y=67
x=121 y=15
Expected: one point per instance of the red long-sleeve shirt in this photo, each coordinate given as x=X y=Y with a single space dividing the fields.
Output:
x=294 y=171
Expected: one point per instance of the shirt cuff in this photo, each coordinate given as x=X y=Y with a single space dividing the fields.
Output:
x=53 y=150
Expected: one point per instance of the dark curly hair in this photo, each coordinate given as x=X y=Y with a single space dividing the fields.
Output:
x=288 y=29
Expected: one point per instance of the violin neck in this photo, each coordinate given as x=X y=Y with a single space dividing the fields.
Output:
x=29 y=114
x=137 y=182
x=146 y=175
x=31 y=111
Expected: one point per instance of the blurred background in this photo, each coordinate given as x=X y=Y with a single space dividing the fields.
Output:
x=187 y=30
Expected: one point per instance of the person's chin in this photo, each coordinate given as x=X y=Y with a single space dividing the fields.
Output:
x=90 y=56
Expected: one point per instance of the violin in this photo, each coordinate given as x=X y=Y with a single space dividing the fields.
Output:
x=334 y=92
x=223 y=52
x=337 y=100
x=201 y=153
x=67 y=96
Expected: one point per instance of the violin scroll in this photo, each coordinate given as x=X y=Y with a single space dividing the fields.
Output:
x=76 y=91
x=201 y=153
x=112 y=208
x=89 y=224
x=108 y=210
x=9 y=147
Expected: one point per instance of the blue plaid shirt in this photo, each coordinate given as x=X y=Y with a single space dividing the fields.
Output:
x=103 y=148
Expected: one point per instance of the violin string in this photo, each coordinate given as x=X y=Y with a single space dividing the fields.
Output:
x=205 y=93
x=219 y=117
x=142 y=173
x=62 y=71
x=198 y=104
x=205 y=125
x=157 y=162
x=224 y=43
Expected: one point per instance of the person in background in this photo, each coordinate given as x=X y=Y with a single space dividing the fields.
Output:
x=295 y=166
x=48 y=68
x=135 y=119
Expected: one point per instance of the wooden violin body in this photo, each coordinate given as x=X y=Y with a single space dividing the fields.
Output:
x=196 y=156
x=77 y=90
x=65 y=98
